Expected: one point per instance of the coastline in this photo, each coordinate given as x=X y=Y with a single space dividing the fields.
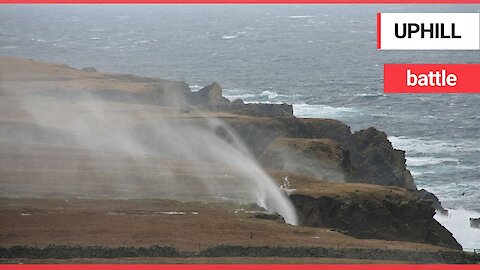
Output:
x=370 y=167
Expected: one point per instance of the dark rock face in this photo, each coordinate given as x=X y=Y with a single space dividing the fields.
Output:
x=260 y=109
x=368 y=155
x=211 y=97
x=436 y=204
x=391 y=218
x=267 y=216
x=320 y=158
x=365 y=156
x=475 y=223
x=377 y=162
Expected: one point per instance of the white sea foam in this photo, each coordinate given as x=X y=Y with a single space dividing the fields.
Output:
x=269 y=94
x=458 y=223
x=425 y=161
x=143 y=41
x=370 y=95
x=194 y=87
x=415 y=173
x=240 y=96
x=233 y=94
x=226 y=37
x=300 y=17
x=429 y=146
x=320 y=111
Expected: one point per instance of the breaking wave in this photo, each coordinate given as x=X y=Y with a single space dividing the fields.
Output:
x=458 y=223
x=321 y=111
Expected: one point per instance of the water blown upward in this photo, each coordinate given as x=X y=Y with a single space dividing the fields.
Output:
x=117 y=160
x=191 y=156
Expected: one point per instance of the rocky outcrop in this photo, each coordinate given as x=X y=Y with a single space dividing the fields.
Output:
x=320 y=158
x=436 y=204
x=385 y=216
x=322 y=149
x=211 y=97
x=377 y=162
x=260 y=109
x=367 y=155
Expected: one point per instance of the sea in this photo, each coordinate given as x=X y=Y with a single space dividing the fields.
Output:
x=320 y=58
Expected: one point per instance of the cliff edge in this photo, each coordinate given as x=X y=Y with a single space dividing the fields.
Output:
x=353 y=182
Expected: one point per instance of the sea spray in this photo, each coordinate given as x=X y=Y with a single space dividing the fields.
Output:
x=458 y=223
x=201 y=157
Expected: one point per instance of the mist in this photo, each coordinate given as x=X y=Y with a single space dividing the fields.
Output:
x=316 y=158
x=458 y=223
x=111 y=149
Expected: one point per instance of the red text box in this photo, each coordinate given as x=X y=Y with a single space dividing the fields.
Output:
x=432 y=78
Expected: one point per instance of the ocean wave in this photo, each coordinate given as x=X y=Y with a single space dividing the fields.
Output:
x=269 y=94
x=429 y=146
x=233 y=94
x=370 y=95
x=240 y=96
x=59 y=45
x=143 y=41
x=194 y=87
x=429 y=160
x=458 y=223
x=320 y=111
x=300 y=16
x=417 y=173
x=226 y=37
x=366 y=97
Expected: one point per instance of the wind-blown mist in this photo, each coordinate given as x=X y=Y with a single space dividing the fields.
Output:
x=175 y=154
x=458 y=223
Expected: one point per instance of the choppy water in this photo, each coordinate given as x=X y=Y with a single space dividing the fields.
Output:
x=321 y=58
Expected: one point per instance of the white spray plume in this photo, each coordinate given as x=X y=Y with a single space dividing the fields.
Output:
x=458 y=223
x=198 y=157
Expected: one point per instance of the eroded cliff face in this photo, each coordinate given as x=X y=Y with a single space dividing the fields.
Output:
x=327 y=150
x=391 y=217
x=377 y=162
x=321 y=158
x=315 y=150
x=365 y=156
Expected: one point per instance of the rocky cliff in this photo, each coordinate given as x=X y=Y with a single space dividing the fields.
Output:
x=435 y=202
x=327 y=150
x=366 y=211
x=373 y=194
x=390 y=218
x=211 y=97
x=365 y=156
